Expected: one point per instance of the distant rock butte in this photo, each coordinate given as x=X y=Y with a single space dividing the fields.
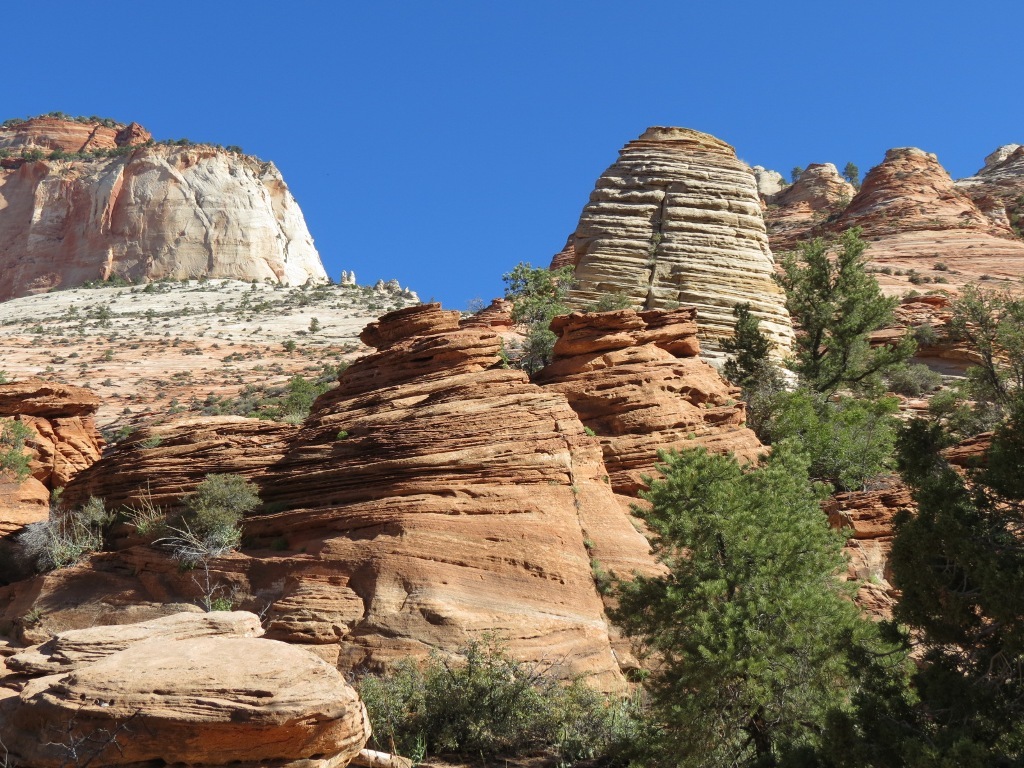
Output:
x=196 y=689
x=157 y=212
x=792 y=213
x=915 y=218
x=677 y=221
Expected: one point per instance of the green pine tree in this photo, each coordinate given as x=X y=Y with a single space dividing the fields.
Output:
x=750 y=625
x=836 y=305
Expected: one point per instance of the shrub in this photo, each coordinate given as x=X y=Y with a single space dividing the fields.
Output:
x=913 y=380
x=211 y=525
x=67 y=537
x=13 y=458
x=487 y=703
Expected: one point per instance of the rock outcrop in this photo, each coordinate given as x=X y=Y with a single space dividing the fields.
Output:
x=998 y=188
x=768 y=182
x=64 y=441
x=52 y=133
x=156 y=212
x=677 y=221
x=174 y=691
x=794 y=213
x=635 y=379
x=433 y=496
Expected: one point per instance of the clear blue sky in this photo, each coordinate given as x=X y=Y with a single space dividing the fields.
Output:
x=440 y=143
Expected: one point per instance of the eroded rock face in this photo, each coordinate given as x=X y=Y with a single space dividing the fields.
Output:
x=636 y=380
x=64 y=442
x=433 y=496
x=174 y=690
x=677 y=221
x=50 y=133
x=769 y=182
x=998 y=188
x=174 y=212
x=795 y=212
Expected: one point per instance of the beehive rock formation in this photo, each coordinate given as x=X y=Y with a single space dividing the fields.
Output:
x=195 y=689
x=677 y=221
x=156 y=212
x=998 y=188
x=793 y=214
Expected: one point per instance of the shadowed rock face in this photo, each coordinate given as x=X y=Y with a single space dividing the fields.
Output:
x=64 y=442
x=201 y=689
x=677 y=220
x=157 y=212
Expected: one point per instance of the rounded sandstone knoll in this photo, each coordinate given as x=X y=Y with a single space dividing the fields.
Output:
x=677 y=221
x=38 y=397
x=199 y=698
x=154 y=212
x=793 y=213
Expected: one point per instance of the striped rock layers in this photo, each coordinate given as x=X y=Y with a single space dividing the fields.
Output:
x=677 y=220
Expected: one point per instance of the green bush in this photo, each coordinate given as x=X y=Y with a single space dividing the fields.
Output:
x=67 y=537
x=13 y=458
x=214 y=514
x=486 y=703
x=848 y=441
x=913 y=380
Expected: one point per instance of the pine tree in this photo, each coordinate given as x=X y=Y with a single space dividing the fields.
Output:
x=836 y=304
x=750 y=625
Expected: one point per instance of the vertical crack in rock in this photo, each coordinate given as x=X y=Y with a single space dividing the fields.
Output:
x=677 y=220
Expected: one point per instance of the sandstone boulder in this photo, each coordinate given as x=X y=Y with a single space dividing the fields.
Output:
x=187 y=689
x=635 y=379
x=64 y=441
x=677 y=221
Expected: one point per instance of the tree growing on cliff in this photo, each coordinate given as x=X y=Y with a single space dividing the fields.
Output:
x=836 y=305
x=538 y=296
x=852 y=174
x=751 y=626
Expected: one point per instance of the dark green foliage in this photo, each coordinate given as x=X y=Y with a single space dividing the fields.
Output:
x=748 y=349
x=913 y=380
x=291 y=402
x=852 y=174
x=538 y=296
x=795 y=173
x=992 y=322
x=610 y=302
x=959 y=563
x=486 y=703
x=13 y=434
x=848 y=441
x=836 y=305
x=752 y=627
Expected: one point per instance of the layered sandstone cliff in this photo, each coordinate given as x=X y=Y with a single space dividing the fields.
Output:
x=433 y=496
x=155 y=212
x=998 y=188
x=677 y=220
x=53 y=133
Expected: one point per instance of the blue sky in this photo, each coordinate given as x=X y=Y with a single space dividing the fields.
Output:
x=441 y=143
